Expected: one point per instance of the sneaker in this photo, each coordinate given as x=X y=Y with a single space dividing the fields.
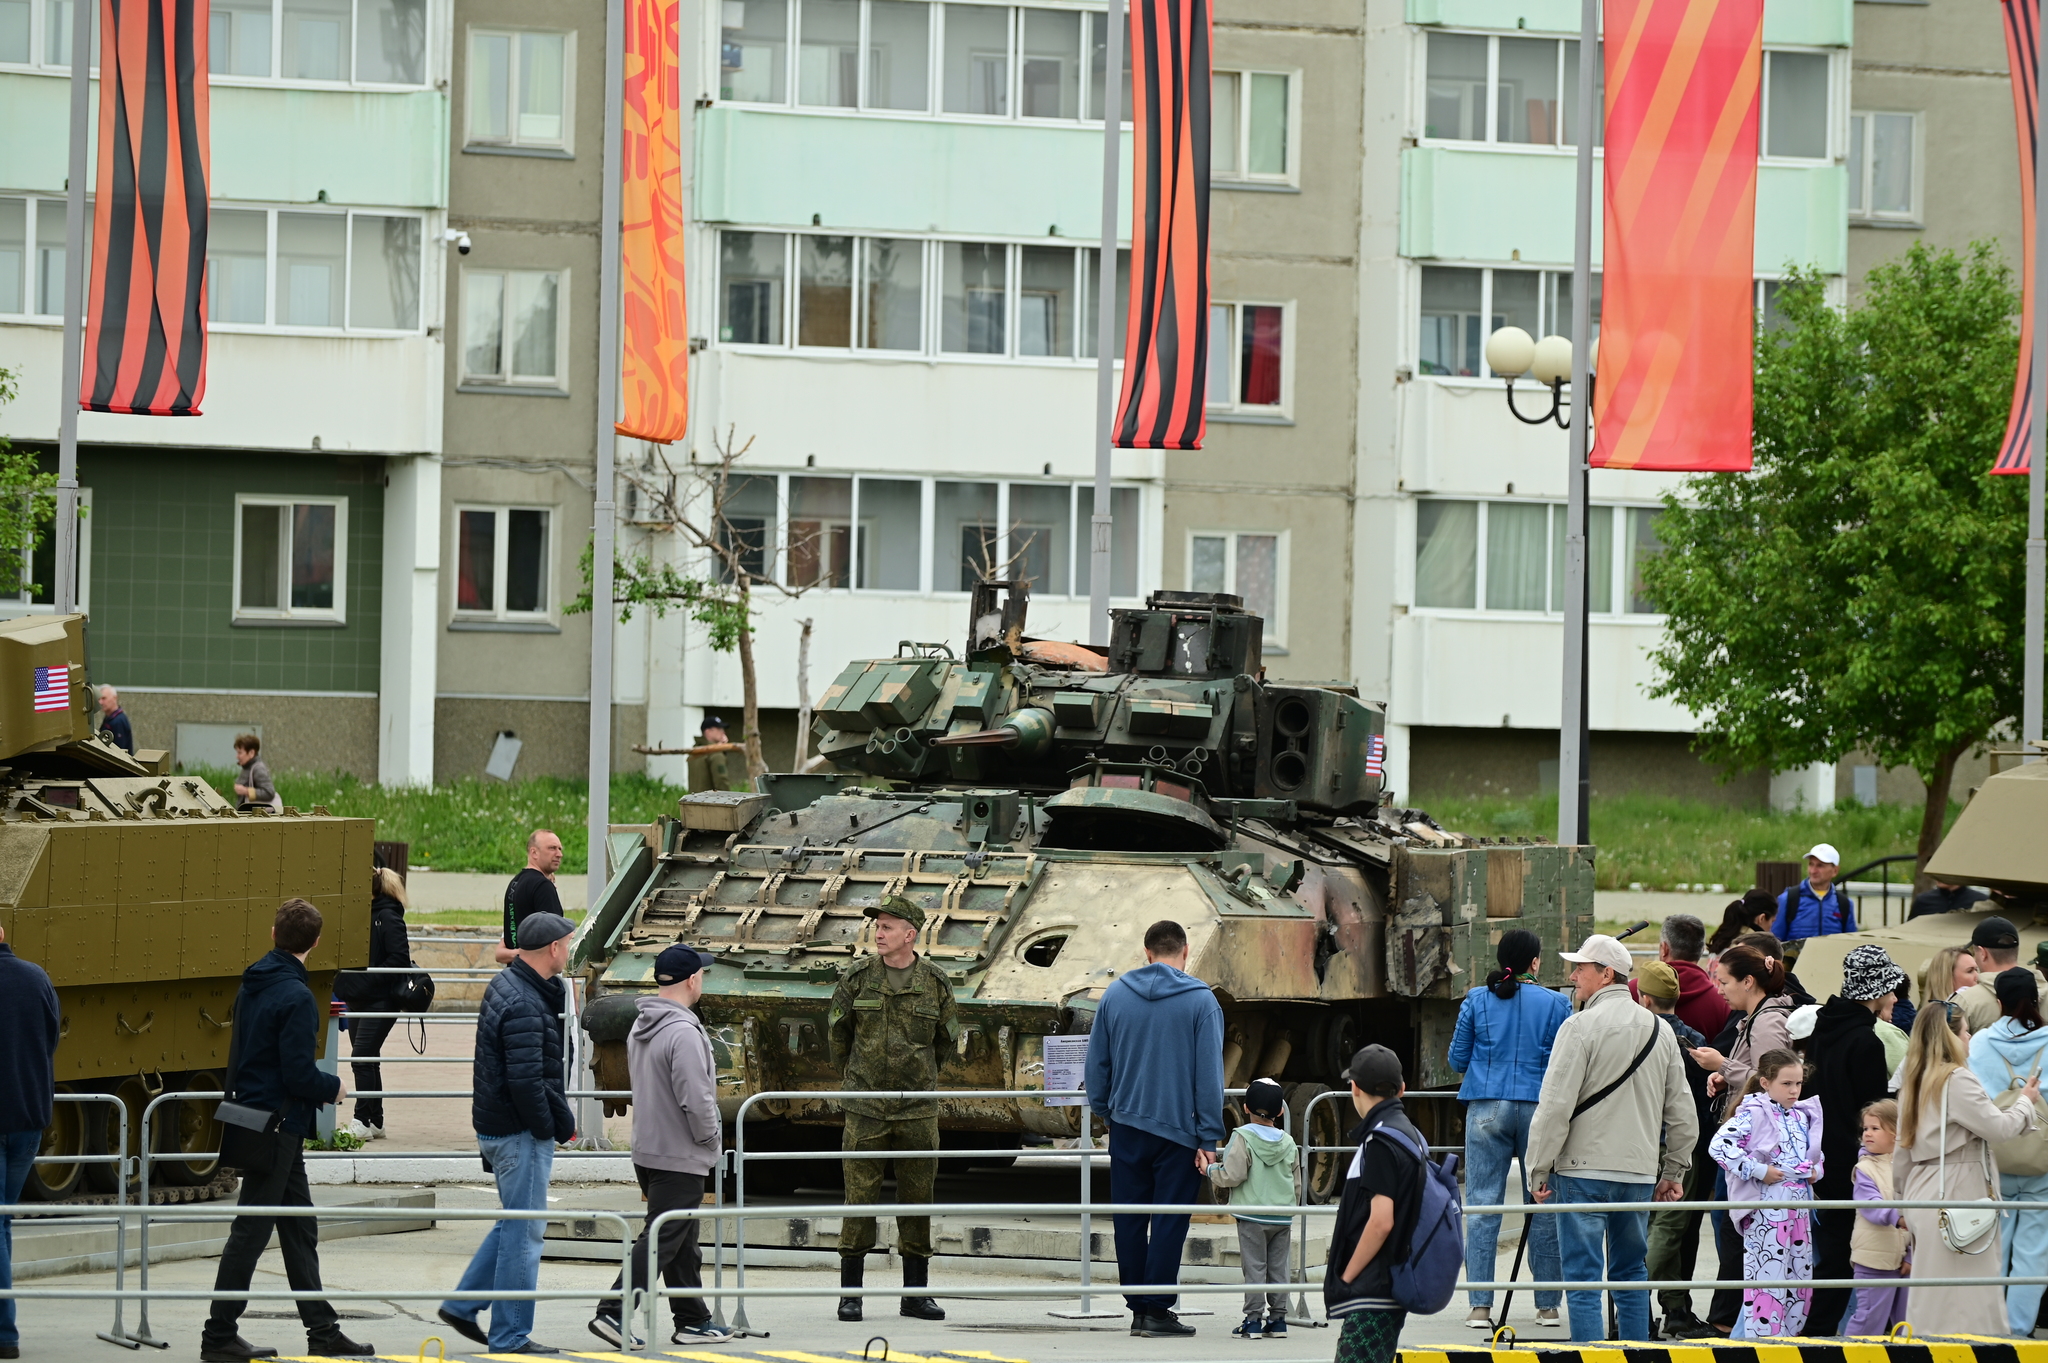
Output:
x=1550 y=1317
x=706 y=1333
x=360 y=1130
x=376 y=1133
x=612 y=1330
x=1251 y=1328
x=1276 y=1327
x=532 y=1346
x=1480 y=1318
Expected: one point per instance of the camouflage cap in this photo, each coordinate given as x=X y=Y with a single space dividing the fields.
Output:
x=896 y=906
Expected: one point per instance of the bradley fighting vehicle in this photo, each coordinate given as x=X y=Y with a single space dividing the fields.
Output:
x=1045 y=803
x=144 y=895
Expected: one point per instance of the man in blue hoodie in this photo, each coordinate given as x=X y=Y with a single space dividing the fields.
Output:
x=1155 y=1073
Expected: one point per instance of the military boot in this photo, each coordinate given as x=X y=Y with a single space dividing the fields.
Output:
x=850 y=1268
x=917 y=1273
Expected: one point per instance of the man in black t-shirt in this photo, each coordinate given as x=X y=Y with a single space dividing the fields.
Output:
x=531 y=891
x=1376 y=1219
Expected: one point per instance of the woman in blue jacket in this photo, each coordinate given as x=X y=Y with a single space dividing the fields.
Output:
x=1502 y=1047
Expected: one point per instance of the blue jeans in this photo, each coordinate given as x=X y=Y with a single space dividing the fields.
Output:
x=1626 y=1258
x=2025 y=1249
x=1497 y=1132
x=509 y=1258
x=17 y=1153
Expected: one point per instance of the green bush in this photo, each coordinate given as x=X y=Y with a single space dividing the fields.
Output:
x=471 y=824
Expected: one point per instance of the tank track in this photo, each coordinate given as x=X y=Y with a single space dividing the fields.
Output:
x=223 y=1185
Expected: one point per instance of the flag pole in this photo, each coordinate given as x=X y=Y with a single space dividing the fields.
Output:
x=2037 y=447
x=64 y=590
x=1099 y=537
x=1573 y=784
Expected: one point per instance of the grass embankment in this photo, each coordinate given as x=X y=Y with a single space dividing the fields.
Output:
x=471 y=824
x=1668 y=844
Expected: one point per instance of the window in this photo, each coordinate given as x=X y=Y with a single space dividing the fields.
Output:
x=33 y=28
x=1884 y=164
x=820 y=539
x=1460 y=306
x=890 y=517
x=968 y=536
x=1251 y=127
x=336 y=42
x=1249 y=564
x=512 y=328
x=38 y=588
x=972 y=60
x=1510 y=556
x=870 y=294
x=502 y=561
x=1246 y=353
x=32 y=255
x=1795 y=105
x=521 y=89
x=333 y=271
x=291 y=558
x=1502 y=89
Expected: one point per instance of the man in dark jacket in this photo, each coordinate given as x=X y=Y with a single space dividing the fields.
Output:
x=114 y=720
x=1849 y=1071
x=1155 y=1073
x=28 y=1043
x=520 y=1110
x=1942 y=897
x=276 y=1022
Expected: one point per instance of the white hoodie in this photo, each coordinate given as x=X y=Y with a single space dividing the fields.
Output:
x=675 y=1094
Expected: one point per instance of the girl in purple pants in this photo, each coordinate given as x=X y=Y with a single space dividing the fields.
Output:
x=1880 y=1246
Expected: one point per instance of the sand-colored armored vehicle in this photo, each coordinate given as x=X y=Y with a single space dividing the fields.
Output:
x=144 y=895
x=1046 y=802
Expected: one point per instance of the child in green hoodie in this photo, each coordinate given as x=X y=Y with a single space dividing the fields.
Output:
x=1258 y=1166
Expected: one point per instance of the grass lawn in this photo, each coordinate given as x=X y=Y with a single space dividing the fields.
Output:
x=471 y=824
x=1663 y=844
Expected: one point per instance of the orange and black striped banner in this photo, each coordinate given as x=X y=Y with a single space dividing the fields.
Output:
x=1678 y=302
x=1166 y=346
x=2023 y=56
x=145 y=321
x=654 y=381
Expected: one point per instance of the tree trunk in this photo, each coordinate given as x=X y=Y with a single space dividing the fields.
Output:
x=1935 y=813
x=750 y=693
x=803 y=697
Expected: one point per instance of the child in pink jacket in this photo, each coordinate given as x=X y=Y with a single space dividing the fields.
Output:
x=1771 y=1151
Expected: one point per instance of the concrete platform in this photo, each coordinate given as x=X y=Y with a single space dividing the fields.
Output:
x=46 y=1248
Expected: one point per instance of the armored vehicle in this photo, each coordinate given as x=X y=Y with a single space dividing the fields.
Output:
x=144 y=895
x=1046 y=802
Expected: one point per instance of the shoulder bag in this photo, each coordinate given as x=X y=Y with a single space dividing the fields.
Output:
x=250 y=1138
x=2024 y=1155
x=1604 y=1094
x=1972 y=1227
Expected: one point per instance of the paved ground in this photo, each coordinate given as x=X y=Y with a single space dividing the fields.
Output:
x=433 y=891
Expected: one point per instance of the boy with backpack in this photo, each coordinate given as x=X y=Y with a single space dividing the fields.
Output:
x=1258 y=1166
x=1398 y=1245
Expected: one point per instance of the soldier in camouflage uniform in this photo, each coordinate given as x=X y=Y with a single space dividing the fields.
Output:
x=892 y=1017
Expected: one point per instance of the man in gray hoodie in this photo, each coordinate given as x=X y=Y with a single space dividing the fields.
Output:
x=677 y=1138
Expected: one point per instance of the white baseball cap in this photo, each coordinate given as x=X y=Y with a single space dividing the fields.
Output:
x=1600 y=949
x=1825 y=851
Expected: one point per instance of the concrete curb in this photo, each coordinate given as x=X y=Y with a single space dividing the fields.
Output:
x=44 y=1249
x=455 y=1168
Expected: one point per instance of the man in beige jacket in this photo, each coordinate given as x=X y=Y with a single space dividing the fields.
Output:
x=1614 y=1123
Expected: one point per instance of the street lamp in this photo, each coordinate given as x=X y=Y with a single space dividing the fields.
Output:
x=1511 y=353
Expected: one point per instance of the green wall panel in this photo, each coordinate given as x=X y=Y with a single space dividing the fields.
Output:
x=903 y=175
x=1817 y=23
x=162 y=593
x=1459 y=204
x=379 y=149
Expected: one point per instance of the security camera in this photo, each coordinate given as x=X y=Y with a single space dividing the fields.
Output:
x=460 y=238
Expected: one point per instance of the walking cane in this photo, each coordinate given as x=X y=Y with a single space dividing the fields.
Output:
x=1528 y=1226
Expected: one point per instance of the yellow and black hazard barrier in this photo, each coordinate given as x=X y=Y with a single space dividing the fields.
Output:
x=1902 y=1346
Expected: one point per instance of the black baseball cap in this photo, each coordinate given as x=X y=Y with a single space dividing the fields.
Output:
x=1996 y=933
x=537 y=930
x=711 y=722
x=1376 y=1067
x=1265 y=1097
x=679 y=962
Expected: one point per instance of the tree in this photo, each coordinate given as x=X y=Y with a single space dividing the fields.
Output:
x=693 y=505
x=1864 y=586
x=27 y=505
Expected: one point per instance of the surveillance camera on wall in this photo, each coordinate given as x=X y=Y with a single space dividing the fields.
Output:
x=460 y=238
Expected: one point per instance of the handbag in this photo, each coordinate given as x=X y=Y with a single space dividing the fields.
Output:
x=2024 y=1155
x=1971 y=1223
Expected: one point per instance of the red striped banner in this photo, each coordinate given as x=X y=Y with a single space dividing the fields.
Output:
x=1678 y=301
x=1166 y=346
x=2023 y=56
x=145 y=322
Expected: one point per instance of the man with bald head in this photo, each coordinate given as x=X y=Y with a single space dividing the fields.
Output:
x=531 y=891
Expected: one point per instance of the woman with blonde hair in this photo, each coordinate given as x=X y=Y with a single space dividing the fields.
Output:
x=1945 y=1123
x=389 y=946
x=1947 y=973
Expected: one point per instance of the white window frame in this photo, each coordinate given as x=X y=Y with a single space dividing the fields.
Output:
x=271 y=325
x=1546 y=295
x=1243 y=176
x=286 y=613
x=501 y=547
x=37 y=203
x=1231 y=406
x=558 y=382
x=566 y=143
x=1837 y=125
x=1566 y=98
x=19 y=604
x=1618 y=597
x=934 y=70
x=38 y=35
x=1276 y=624
x=1862 y=173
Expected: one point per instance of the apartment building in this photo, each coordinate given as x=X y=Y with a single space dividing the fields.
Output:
x=246 y=569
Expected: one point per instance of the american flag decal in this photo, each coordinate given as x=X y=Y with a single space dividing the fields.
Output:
x=1376 y=757
x=53 y=688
